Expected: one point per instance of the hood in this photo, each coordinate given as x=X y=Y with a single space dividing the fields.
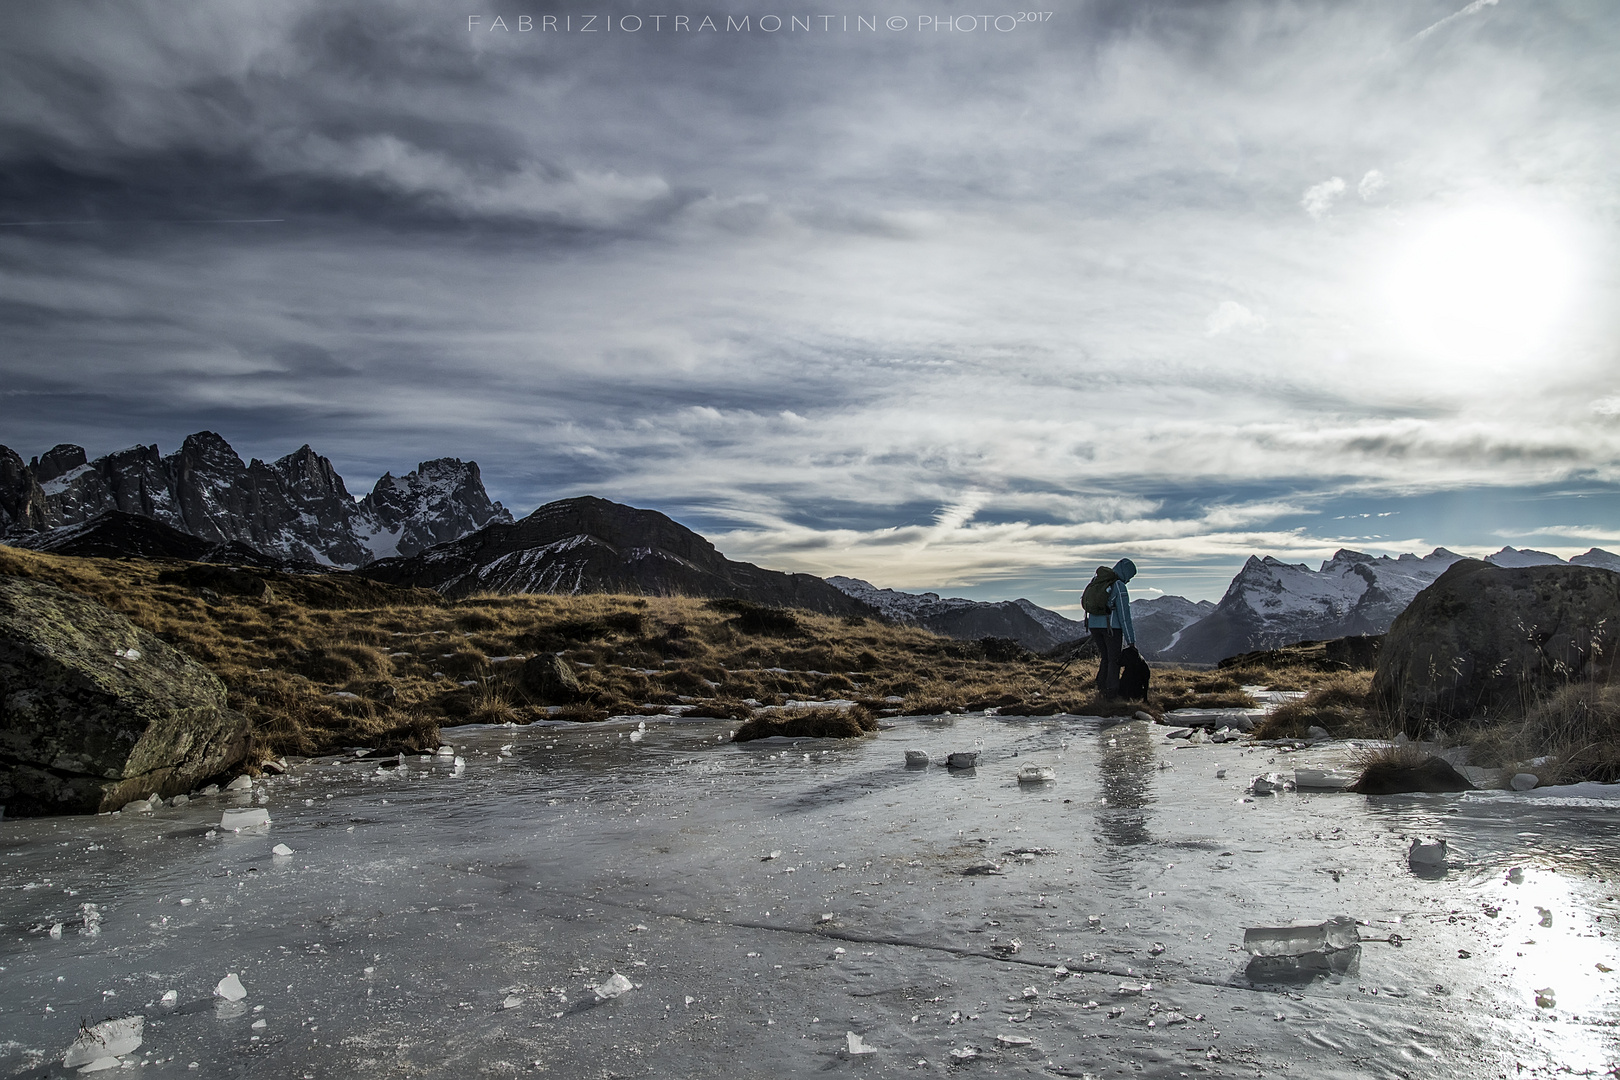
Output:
x=1125 y=569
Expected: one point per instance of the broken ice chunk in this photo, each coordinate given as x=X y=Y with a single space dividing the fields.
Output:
x=1426 y=855
x=1293 y=952
x=281 y=850
x=857 y=1045
x=108 y=1039
x=237 y=820
x=1325 y=779
x=1269 y=784
x=964 y=1054
x=917 y=757
x=1014 y=1040
x=962 y=759
x=512 y=1001
x=230 y=988
x=1036 y=774
x=612 y=986
x=1337 y=933
x=170 y=997
x=241 y=783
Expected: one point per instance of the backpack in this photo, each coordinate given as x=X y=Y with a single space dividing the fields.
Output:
x=1096 y=599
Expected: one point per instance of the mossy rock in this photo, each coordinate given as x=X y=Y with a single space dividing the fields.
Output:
x=96 y=712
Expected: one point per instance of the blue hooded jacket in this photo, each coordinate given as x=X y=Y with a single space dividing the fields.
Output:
x=1119 y=605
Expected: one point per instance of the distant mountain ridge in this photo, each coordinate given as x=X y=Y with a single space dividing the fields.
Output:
x=1032 y=626
x=588 y=544
x=1160 y=620
x=294 y=508
x=1271 y=603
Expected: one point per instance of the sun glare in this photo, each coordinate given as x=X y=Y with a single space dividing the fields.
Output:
x=1486 y=283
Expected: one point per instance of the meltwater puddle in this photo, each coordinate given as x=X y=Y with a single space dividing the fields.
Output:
x=608 y=900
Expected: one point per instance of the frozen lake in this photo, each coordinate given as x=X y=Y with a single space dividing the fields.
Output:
x=438 y=922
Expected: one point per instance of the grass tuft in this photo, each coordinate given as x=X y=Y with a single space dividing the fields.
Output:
x=851 y=723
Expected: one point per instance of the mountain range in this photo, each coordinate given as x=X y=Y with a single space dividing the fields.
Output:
x=437 y=527
x=1271 y=603
x=295 y=508
x=1033 y=627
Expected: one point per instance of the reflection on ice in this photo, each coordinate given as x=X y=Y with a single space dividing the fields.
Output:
x=437 y=922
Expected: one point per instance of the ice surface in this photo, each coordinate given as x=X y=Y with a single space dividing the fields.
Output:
x=415 y=908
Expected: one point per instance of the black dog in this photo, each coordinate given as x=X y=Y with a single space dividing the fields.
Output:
x=1133 y=675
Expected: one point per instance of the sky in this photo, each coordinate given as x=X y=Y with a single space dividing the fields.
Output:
x=946 y=297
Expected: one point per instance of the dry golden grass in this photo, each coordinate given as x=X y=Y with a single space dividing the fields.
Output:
x=1340 y=702
x=847 y=723
x=414 y=660
x=1577 y=728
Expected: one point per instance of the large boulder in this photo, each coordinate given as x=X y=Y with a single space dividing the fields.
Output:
x=548 y=679
x=96 y=712
x=1486 y=640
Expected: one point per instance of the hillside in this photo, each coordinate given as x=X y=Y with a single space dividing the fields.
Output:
x=587 y=545
x=324 y=661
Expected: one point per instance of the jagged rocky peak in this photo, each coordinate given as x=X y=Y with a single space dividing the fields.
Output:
x=296 y=507
x=59 y=459
x=22 y=503
x=310 y=475
x=441 y=500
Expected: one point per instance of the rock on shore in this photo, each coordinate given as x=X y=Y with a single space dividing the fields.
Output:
x=96 y=712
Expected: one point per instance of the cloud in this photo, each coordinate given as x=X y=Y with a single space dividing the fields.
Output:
x=804 y=291
x=1319 y=198
x=1230 y=316
x=1371 y=184
x=1472 y=9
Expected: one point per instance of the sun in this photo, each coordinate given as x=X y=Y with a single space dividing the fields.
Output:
x=1488 y=283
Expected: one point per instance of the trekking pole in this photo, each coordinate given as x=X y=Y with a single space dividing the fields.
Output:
x=1059 y=672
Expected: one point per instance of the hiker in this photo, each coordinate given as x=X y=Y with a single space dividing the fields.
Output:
x=1108 y=616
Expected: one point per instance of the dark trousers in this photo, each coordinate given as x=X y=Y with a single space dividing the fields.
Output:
x=1110 y=643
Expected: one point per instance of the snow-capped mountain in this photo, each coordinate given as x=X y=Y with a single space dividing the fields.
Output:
x=1525 y=557
x=1160 y=620
x=442 y=500
x=1605 y=560
x=1271 y=603
x=1032 y=626
x=295 y=507
x=593 y=545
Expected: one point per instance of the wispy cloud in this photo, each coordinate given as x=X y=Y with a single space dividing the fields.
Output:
x=943 y=308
